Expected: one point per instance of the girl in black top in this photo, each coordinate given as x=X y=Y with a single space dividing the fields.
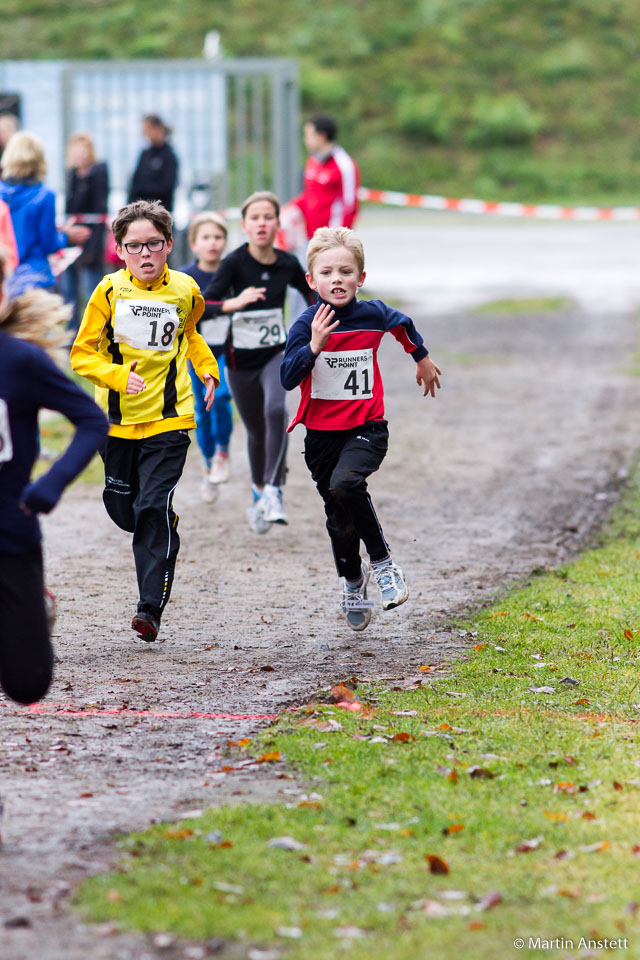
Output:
x=251 y=285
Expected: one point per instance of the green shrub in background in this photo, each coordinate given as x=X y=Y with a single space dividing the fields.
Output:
x=426 y=116
x=505 y=119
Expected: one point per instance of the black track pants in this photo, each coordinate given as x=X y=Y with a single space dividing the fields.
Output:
x=340 y=462
x=26 y=656
x=140 y=478
x=260 y=400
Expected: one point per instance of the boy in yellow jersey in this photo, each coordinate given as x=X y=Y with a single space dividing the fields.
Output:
x=138 y=329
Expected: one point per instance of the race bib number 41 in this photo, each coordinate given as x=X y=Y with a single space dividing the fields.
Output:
x=146 y=324
x=6 y=444
x=257 y=329
x=347 y=375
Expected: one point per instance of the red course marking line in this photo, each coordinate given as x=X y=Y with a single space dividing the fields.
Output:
x=63 y=709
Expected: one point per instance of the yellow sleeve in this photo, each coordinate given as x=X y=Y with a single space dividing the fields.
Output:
x=85 y=358
x=198 y=350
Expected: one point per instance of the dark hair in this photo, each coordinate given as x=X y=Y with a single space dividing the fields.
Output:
x=324 y=123
x=151 y=210
x=156 y=121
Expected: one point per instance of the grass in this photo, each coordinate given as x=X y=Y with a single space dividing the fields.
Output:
x=524 y=306
x=528 y=796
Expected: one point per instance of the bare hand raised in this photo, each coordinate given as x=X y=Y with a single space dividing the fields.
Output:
x=322 y=327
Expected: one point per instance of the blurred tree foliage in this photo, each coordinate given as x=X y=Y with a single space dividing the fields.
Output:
x=529 y=99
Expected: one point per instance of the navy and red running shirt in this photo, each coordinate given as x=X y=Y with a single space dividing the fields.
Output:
x=341 y=388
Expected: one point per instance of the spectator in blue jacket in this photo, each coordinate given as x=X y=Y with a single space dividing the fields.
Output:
x=29 y=381
x=33 y=214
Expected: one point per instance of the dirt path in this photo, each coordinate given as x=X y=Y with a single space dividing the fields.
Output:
x=509 y=469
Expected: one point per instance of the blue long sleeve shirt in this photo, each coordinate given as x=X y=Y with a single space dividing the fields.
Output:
x=33 y=214
x=30 y=381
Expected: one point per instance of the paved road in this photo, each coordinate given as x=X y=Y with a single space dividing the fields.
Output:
x=449 y=260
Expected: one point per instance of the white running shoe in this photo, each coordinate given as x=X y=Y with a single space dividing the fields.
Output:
x=256 y=517
x=274 y=511
x=208 y=491
x=393 y=589
x=220 y=468
x=355 y=606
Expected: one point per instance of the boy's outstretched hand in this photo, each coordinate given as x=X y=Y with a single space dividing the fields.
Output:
x=322 y=328
x=427 y=376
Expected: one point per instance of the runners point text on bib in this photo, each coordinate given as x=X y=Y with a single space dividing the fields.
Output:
x=347 y=375
x=146 y=324
x=6 y=443
x=257 y=329
x=215 y=329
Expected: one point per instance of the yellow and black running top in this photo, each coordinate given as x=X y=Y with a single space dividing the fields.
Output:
x=154 y=324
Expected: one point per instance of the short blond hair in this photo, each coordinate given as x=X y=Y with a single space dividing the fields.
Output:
x=86 y=140
x=206 y=216
x=261 y=195
x=327 y=238
x=23 y=158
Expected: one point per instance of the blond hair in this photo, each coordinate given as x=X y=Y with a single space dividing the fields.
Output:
x=327 y=238
x=261 y=195
x=23 y=158
x=85 y=139
x=36 y=316
x=206 y=216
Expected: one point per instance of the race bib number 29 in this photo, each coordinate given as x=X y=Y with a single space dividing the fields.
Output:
x=257 y=329
x=6 y=444
x=146 y=324
x=346 y=375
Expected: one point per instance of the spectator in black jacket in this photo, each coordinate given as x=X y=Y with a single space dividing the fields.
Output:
x=87 y=193
x=156 y=173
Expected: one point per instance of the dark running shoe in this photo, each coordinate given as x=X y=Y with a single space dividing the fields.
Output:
x=145 y=626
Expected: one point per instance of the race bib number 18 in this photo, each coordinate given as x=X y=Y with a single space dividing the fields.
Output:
x=6 y=444
x=146 y=324
x=347 y=375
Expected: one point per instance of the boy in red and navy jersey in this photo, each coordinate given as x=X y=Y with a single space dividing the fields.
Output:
x=331 y=353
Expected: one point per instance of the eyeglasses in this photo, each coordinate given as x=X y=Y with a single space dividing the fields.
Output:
x=153 y=246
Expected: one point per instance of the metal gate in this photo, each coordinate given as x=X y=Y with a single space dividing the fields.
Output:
x=235 y=122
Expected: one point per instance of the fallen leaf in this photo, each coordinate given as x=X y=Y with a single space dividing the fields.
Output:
x=239 y=743
x=267 y=668
x=479 y=646
x=114 y=896
x=530 y=616
x=570 y=682
x=617 y=786
x=355 y=707
x=437 y=864
x=580 y=702
x=272 y=757
x=403 y=737
x=628 y=634
x=183 y=834
x=477 y=773
x=542 y=689
x=565 y=787
x=635 y=849
x=501 y=613
x=556 y=816
x=478 y=924
x=563 y=855
x=490 y=900
x=425 y=667
x=343 y=694
x=285 y=843
x=588 y=815
x=595 y=847
x=527 y=845
x=453 y=828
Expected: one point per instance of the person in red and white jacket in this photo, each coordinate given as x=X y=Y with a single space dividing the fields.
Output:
x=331 y=353
x=331 y=178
